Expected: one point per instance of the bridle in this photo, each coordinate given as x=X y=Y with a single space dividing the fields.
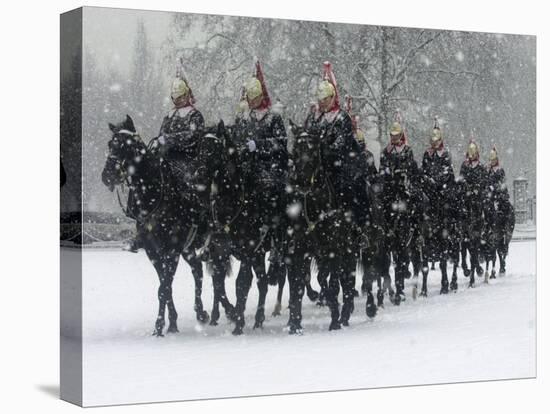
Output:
x=126 y=181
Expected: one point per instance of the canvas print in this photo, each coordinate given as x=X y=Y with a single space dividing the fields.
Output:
x=260 y=206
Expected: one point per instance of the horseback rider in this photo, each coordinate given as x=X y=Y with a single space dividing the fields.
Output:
x=343 y=157
x=399 y=175
x=438 y=175
x=177 y=141
x=474 y=176
x=261 y=132
x=496 y=179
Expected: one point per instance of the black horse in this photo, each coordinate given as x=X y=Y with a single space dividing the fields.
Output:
x=498 y=229
x=374 y=260
x=317 y=228
x=161 y=214
x=236 y=227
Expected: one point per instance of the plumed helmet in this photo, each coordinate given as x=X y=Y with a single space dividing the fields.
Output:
x=473 y=150
x=493 y=155
x=253 y=88
x=325 y=89
x=437 y=135
x=179 y=88
x=396 y=129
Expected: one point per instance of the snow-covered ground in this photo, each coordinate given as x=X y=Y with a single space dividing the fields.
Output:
x=475 y=334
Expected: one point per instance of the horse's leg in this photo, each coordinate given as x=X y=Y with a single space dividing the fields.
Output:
x=366 y=268
x=493 y=259
x=380 y=292
x=463 y=253
x=382 y=276
x=444 y=278
x=347 y=281
x=322 y=279
x=215 y=315
x=165 y=265
x=332 y=297
x=401 y=263
x=296 y=286
x=242 y=287
x=219 y=268
x=312 y=294
x=454 y=258
x=196 y=268
x=501 y=250
x=259 y=269
x=281 y=277
x=370 y=307
x=425 y=270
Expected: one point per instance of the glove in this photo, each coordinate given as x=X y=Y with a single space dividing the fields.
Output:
x=161 y=140
x=251 y=144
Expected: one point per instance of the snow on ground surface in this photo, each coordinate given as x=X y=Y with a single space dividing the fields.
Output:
x=483 y=333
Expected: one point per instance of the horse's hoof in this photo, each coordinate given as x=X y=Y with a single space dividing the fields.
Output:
x=259 y=325
x=237 y=331
x=479 y=271
x=232 y=315
x=313 y=295
x=344 y=322
x=203 y=317
x=424 y=293
x=295 y=330
x=172 y=329
x=277 y=310
x=466 y=272
x=158 y=334
x=444 y=290
x=214 y=318
x=371 y=310
x=454 y=286
x=334 y=325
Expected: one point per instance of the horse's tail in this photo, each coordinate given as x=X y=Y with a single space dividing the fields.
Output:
x=313 y=267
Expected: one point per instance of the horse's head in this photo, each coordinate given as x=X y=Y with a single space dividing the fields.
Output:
x=218 y=159
x=305 y=156
x=126 y=150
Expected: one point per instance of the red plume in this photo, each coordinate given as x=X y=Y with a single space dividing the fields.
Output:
x=180 y=73
x=472 y=141
x=266 y=102
x=328 y=75
x=349 y=109
x=397 y=118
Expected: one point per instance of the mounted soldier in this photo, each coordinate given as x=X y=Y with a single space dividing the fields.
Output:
x=178 y=141
x=399 y=175
x=499 y=211
x=261 y=133
x=438 y=177
x=474 y=177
